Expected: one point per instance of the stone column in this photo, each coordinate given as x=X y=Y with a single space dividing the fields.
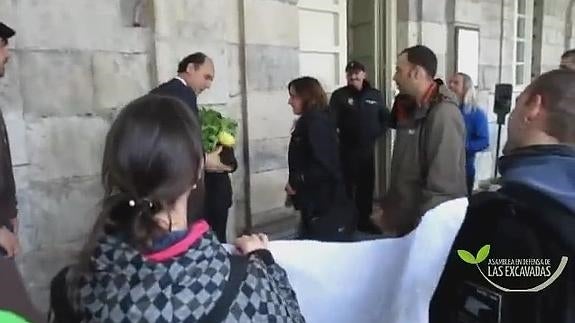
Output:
x=272 y=60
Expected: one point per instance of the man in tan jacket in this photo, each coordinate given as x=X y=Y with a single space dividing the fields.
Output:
x=428 y=164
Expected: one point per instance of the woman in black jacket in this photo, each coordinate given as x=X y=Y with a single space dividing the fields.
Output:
x=315 y=183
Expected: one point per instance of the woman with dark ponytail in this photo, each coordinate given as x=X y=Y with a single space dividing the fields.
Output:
x=144 y=262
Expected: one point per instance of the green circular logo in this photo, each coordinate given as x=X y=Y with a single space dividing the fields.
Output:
x=9 y=317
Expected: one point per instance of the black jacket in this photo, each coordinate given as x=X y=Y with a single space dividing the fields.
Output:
x=8 y=203
x=314 y=167
x=361 y=116
x=175 y=88
x=219 y=186
x=531 y=217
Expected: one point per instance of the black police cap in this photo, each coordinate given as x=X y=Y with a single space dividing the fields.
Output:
x=354 y=66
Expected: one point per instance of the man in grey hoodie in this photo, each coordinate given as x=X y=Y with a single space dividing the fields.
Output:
x=428 y=164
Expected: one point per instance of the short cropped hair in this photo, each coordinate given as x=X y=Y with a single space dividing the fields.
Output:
x=422 y=56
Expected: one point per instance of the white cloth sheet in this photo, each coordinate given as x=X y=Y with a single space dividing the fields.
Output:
x=386 y=280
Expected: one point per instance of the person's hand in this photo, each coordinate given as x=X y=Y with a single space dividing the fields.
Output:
x=378 y=218
x=246 y=244
x=9 y=242
x=214 y=163
x=289 y=190
x=385 y=223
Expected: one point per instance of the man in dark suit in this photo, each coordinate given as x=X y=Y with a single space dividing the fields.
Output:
x=196 y=74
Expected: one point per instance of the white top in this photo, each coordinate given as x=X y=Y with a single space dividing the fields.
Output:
x=181 y=80
x=385 y=280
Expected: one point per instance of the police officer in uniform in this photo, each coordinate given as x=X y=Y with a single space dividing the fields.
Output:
x=361 y=117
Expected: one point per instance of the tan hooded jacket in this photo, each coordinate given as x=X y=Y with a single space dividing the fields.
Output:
x=428 y=163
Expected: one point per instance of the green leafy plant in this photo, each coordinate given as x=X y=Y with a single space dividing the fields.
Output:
x=474 y=260
x=216 y=129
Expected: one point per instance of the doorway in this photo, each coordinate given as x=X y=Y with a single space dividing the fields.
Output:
x=371 y=39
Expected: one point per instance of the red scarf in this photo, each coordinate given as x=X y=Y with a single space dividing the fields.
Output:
x=195 y=233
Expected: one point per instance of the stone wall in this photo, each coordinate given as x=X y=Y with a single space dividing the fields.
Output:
x=557 y=32
x=272 y=60
x=182 y=27
x=553 y=33
x=254 y=44
x=427 y=23
x=74 y=62
x=432 y=23
x=496 y=42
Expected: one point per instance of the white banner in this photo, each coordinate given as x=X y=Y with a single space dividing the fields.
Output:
x=387 y=280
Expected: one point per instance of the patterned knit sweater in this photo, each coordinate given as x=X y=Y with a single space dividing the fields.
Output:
x=180 y=286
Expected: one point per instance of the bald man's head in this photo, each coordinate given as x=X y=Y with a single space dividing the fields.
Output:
x=544 y=112
x=197 y=70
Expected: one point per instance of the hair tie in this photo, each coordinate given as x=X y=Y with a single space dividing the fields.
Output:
x=149 y=203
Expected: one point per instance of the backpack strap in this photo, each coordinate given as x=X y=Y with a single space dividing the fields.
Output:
x=519 y=196
x=527 y=198
x=487 y=197
x=60 y=308
x=238 y=273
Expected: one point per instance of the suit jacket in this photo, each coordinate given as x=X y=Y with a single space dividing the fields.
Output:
x=218 y=194
x=175 y=88
x=219 y=197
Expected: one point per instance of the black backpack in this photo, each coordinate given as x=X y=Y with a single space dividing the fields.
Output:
x=514 y=223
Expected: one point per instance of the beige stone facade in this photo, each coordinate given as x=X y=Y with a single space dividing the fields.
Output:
x=76 y=62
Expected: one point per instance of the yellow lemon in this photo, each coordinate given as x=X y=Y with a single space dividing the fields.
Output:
x=226 y=139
